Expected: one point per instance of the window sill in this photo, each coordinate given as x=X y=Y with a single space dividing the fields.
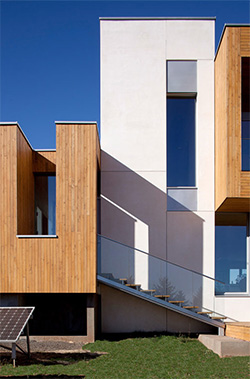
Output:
x=183 y=187
x=36 y=236
x=234 y=294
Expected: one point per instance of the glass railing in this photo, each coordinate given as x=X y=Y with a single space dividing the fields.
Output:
x=167 y=281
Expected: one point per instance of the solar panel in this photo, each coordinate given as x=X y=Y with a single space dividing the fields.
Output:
x=13 y=321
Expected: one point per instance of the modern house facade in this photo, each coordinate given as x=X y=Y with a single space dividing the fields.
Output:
x=147 y=68
x=150 y=232
x=172 y=119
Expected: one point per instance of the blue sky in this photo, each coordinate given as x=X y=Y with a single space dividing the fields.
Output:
x=49 y=56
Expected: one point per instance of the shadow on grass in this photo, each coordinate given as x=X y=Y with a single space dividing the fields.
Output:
x=124 y=336
x=49 y=359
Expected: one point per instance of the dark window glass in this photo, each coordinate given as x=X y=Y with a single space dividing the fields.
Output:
x=52 y=205
x=245 y=145
x=230 y=257
x=245 y=114
x=180 y=142
x=45 y=204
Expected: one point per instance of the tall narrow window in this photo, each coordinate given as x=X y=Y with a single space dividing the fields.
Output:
x=181 y=100
x=231 y=252
x=180 y=142
x=245 y=114
x=45 y=205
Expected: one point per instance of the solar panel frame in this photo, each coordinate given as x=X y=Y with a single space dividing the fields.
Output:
x=17 y=318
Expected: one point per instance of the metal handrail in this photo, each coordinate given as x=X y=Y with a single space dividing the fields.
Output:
x=161 y=259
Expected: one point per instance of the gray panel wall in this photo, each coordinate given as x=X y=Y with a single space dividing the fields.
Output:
x=181 y=76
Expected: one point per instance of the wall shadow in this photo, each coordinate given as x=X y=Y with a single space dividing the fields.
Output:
x=129 y=200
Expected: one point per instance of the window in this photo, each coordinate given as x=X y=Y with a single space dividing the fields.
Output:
x=231 y=252
x=245 y=114
x=180 y=142
x=45 y=205
x=181 y=100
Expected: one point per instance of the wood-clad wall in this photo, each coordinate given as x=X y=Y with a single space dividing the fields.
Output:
x=25 y=186
x=44 y=161
x=245 y=41
x=220 y=125
x=239 y=330
x=230 y=181
x=8 y=209
x=76 y=215
x=66 y=264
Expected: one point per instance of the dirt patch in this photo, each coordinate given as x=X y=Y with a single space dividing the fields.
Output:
x=48 y=353
x=51 y=345
x=45 y=376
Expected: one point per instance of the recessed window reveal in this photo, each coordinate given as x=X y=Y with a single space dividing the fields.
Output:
x=181 y=109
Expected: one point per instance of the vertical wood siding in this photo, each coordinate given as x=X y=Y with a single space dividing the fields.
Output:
x=8 y=206
x=66 y=264
x=44 y=161
x=230 y=181
x=221 y=125
x=25 y=187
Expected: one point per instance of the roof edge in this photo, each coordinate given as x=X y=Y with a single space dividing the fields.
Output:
x=19 y=127
x=223 y=31
x=154 y=18
x=76 y=122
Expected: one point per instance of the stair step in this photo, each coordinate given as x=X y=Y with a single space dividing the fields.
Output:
x=204 y=313
x=190 y=306
x=176 y=301
x=123 y=280
x=148 y=291
x=136 y=286
x=162 y=296
x=218 y=318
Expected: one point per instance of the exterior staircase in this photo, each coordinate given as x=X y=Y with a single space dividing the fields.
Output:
x=166 y=284
x=208 y=317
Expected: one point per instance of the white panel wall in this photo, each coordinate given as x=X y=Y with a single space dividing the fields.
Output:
x=205 y=134
x=189 y=39
x=133 y=139
x=133 y=130
x=133 y=87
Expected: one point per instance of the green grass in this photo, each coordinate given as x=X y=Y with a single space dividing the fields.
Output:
x=156 y=357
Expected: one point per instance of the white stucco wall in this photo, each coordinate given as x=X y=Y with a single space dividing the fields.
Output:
x=133 y=141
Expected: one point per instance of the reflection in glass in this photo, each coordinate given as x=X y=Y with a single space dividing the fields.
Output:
x=45 y=205
x=230 y=258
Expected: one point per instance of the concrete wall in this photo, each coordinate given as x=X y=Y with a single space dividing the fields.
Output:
x=122 y=313
x=133 y=137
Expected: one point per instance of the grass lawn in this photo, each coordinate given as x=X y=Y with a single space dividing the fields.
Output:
x=156 y=357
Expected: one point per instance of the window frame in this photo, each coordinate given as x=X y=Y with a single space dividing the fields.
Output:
x=247 y=292
x=241 y=120
x=185 y=95
x=44 y=174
